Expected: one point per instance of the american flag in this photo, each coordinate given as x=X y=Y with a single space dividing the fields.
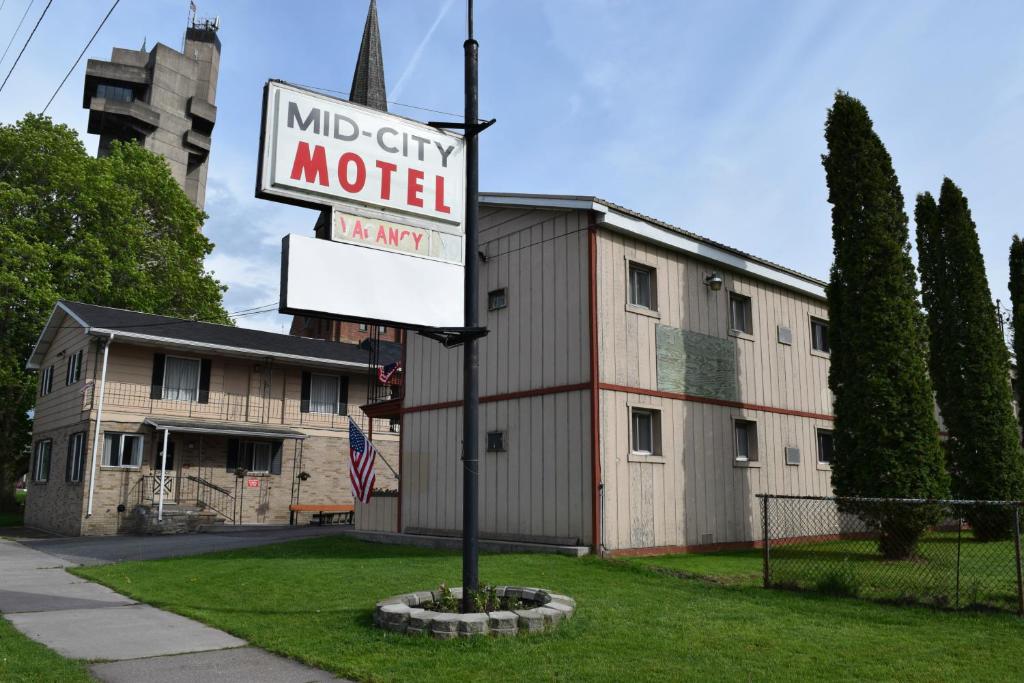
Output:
x=362 y=456
x=386 y=372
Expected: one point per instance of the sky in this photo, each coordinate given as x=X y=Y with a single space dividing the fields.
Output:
x=705 y=114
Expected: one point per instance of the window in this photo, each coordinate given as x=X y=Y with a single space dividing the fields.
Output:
x=114 y=92
x=746 y=440
x=363 y=327
x=381 y=329
x=46 y=381
x=819 y=335
x=643 y=431
x=74 y=372
x=181 y=379
x=825 y=446
x=255 y=456
x=122 y=450
x=495 y=441
x=41 y=468
x=496 y=300
x=323 y=394
x=76 y=457
x=641 y=286
x=740 y=317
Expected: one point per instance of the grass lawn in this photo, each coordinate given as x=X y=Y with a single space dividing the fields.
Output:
x=22 y=659
x=312 y=600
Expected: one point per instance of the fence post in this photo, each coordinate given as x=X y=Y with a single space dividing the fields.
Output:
x=959 y=545
x=1020 y=576
x=766 y=543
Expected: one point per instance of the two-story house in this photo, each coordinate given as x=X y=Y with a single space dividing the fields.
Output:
x=254 y=423
x=640 y=384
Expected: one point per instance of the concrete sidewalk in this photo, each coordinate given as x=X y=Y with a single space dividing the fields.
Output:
x=83 y=620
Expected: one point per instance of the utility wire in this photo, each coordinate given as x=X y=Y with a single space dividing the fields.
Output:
x=80 y=55
x=29 y=40
x=14 y=35
x=345 y=93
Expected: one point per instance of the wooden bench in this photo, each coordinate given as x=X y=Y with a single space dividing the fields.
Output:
x=326 y=514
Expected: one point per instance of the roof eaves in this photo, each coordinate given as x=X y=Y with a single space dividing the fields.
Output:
x=258 y=353
x=35 y=358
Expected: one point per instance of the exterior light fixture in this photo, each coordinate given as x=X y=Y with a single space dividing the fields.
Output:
x=714 y=282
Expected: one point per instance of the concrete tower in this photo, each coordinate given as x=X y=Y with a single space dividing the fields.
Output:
x=164 y=99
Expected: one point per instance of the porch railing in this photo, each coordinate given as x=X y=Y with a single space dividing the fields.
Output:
x=184 y=490
x=230 y=407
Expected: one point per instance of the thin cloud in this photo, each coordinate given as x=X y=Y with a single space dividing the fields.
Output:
x=414 y=62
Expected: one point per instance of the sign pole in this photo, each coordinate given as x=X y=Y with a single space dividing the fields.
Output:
x=471 y=354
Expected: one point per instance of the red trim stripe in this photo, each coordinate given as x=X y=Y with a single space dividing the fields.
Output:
x=714 y=401
x=493 y=398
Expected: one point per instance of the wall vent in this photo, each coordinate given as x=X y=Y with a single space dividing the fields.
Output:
x=707 y=539
x=792 y=455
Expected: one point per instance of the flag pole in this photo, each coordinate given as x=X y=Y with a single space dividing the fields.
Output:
x=471 y=357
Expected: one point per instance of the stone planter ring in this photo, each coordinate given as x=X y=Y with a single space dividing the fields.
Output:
x=543 y=610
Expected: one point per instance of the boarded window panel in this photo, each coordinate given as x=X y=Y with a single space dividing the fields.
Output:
x=696 y=364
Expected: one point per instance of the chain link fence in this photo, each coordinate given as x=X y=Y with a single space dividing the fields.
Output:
x=953 y=554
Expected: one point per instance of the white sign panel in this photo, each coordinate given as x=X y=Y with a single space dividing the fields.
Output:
x=397 y=237
x=319 y=150
x=348 y=280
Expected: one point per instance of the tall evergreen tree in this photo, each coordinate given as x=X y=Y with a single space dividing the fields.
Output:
x=1016 y=286
x=969 y=361
x=886 y=438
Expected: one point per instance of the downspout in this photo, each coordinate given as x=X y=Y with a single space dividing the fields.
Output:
x=597 y=487
x=99 y=423
x=163 y=478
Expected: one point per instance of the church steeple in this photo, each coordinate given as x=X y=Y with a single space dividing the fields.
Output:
x=368 y=79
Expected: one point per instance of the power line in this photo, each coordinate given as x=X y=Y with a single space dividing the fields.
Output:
x=27 y=41
x=345 y=93
x=80 y=55
x=15 y=34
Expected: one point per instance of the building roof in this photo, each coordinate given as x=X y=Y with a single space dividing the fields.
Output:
x=160 y=330
x=223 y=428
x=619 y=217
x=368 y=80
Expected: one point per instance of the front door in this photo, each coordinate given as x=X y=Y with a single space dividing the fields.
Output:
x=168 y=484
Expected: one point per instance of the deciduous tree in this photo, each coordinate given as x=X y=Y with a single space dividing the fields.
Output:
x=115 y=231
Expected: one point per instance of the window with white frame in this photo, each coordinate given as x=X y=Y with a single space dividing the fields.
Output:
x=642 y=286
x=41 y=462
x=363 y=327
x=746 y=440
x=324 y=392
x=254 y=456
x=46 y=381
x=819 y=335
x=741 y=317
x=76 y=457
x=381 y=329
x=181 y=379
x=74 y=372
x=825 y=446
x=644 y=431
x=122 y=450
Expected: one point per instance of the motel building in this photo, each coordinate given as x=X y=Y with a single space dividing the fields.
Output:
x=255 y=424
x=640 y=384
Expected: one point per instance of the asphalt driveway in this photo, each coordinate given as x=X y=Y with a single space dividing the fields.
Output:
x=92 y=550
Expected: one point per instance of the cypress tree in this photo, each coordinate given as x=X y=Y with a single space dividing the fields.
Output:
x=969 y=361
x=886 y=438
x=1017 y=304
